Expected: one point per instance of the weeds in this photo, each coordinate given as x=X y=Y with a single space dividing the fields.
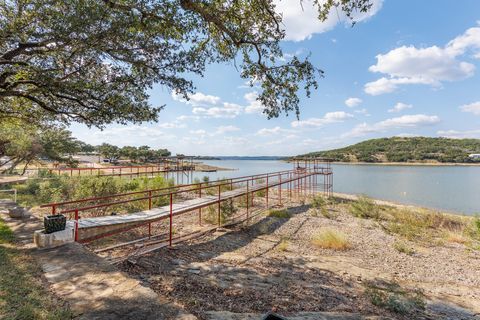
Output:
x=22 y=293
x=331 y=239
x=283 y=245
x=283 y=213
x=366 y=208
x=402 y=247
x=320 y=204
x=395 y=299
x=227 y=210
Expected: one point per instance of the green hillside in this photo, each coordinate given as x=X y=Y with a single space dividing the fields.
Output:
x=398 y=149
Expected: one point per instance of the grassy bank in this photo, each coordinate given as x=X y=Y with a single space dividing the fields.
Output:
x=23 y=294
x=425 y=226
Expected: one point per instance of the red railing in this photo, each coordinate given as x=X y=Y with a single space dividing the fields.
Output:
x=299 y=180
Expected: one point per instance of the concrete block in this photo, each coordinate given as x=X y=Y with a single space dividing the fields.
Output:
x=18 y=212
x=51 y=240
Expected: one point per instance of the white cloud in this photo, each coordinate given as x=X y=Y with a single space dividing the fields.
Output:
x=228 y=110
x=406 y=121
x=353 y=102
x=456 y=134
x=209 y=106
x=329 y=117
x=431 y=65
x=400 y=107
x=171 y=125
x=301 y=18
x=273 y=131
x=199 y=132
x=187 y=117
x=254 y=106
x=472 y=108
x=225 y=129
x=197 y=99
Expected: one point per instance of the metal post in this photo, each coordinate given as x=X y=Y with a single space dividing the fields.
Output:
x=247 y=200
x=280 y=189
x=171 y=218
x=290 y=185
x=149 y=200
x=266 y=194
x=200 y=209
x=76 y=225
x=219 y=191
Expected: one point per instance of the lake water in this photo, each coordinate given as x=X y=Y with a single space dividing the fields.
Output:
x=447 y=188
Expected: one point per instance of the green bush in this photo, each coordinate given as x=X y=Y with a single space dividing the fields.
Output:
x=227 y=210
x=283 y=213
x=365 y=208
x=319 y=204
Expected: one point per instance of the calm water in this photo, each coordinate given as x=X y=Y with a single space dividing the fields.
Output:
x=455 y=189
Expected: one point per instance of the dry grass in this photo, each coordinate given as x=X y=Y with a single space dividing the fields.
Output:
x=403 y=247
x=454 y=237
x=283 y=245
x=331 y=239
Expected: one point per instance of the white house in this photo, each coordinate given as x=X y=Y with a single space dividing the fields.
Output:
x=474 y=156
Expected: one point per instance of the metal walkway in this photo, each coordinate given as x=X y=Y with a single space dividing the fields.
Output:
x=300 y=180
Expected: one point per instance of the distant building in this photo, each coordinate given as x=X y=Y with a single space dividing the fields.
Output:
x=474 y=156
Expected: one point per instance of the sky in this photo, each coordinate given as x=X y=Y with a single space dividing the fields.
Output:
x=407 y=68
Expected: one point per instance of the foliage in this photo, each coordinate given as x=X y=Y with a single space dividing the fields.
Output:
x=395 y=299
x=227 y=210
x=331 y=239
x=24 y=144
x=283 y=245
x=402 y=247
x=283 y=213
x=319 y=203
x=404 y=149
x=365 y=207
x=36 y=191
x=6 y=234
x=94 y=61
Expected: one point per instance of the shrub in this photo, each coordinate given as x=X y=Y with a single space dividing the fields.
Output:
x=394 y=299
x=319 y=204
x=227 y=210
x=402 y=247
x=331 y=239
x=365 y=208
x=283 y=213
x=283 y=245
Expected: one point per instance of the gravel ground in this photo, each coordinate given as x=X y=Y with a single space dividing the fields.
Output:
x=271 y=264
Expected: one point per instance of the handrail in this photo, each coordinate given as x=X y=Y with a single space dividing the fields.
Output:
x=171 y=191
x=174 y=193
x=159 y=189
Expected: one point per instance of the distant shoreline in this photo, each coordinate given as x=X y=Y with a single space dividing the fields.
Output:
x=427 y=164
x=396 y=204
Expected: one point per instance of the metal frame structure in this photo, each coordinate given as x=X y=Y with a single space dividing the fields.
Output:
x=301 y=181
x=183 y=165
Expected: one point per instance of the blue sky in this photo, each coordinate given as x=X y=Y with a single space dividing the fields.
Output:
x=407 y=68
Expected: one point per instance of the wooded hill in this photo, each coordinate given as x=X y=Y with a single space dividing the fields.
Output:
x=399 y=149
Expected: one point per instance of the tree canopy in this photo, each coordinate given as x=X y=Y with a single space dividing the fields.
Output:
x=22 y=145
x=94 y=61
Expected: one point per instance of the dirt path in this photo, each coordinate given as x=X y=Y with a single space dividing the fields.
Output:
x=93 y=288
